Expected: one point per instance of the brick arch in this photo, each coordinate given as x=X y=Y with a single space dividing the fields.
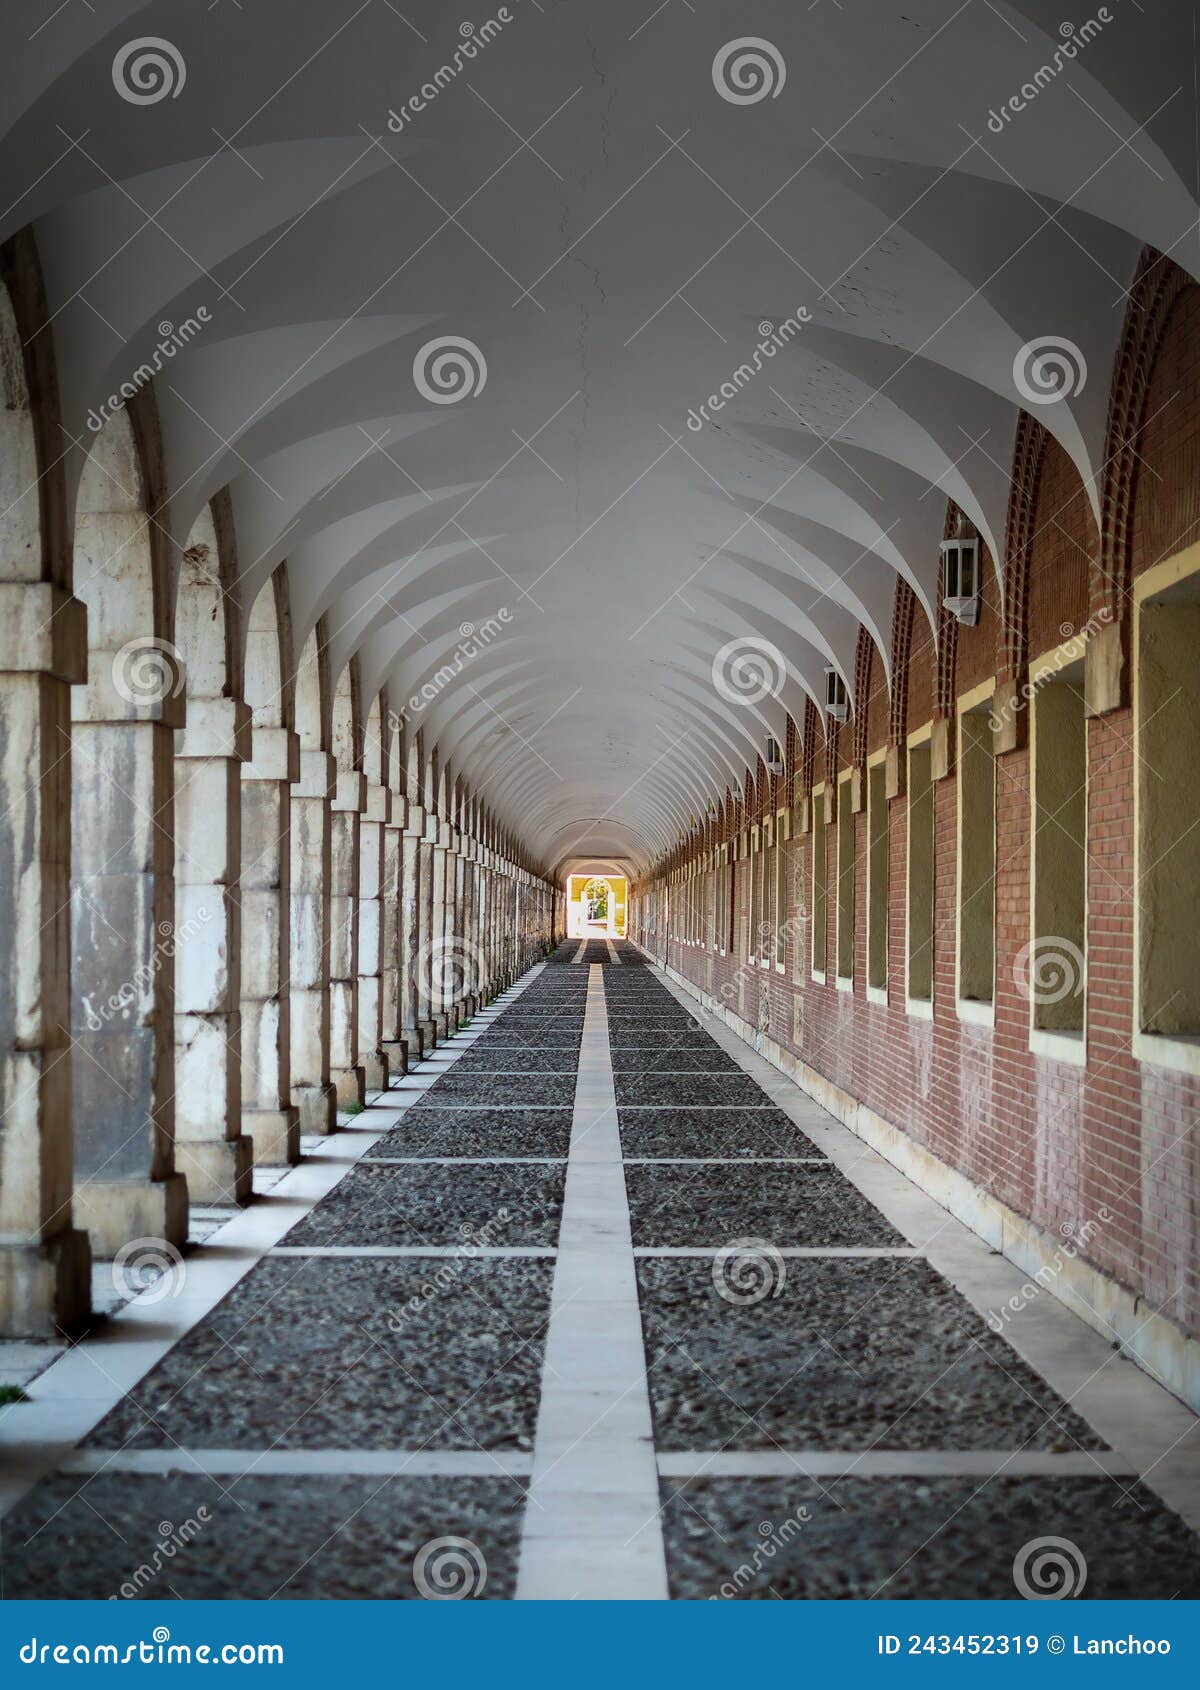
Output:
x=1029 y=453
x=1158 y=286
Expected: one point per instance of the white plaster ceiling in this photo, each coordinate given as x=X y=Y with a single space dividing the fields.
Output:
x=586 y=208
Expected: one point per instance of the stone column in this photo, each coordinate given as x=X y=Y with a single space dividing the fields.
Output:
x=211 y=1150
x=371 y=829
x=410 y=931
x=472 y=981
x=268 y=1113
x=312 y=1093
x=438 y=958
x=425 y=1009
x=122 y=960
x=393 y=1039
x=45 y=1261
x=345 y=824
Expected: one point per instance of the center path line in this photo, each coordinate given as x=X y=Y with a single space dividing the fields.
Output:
x=592 y=1525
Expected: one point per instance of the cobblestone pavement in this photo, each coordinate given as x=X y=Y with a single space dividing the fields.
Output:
x=589 y=1313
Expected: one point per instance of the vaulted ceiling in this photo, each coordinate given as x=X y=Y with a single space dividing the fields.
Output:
x=615 y=204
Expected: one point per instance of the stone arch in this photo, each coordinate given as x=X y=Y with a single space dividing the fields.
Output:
x=345 y=823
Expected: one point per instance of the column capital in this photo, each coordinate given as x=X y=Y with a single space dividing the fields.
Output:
x=318 y=776
x=414 y=825
x=216 y=727
x=350 y=791
x=42 y=630
x=274 y=755
x=378 y=807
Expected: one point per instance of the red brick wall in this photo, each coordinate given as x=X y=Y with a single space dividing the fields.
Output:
x=1106 y=1153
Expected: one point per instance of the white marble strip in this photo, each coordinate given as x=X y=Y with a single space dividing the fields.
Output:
x=75 y=1393
x=386 y=1251
x=592 y=1527
x=700 y=1108
x=305 y=1463
x=893 y=1464
x=613 y=958
x=579 y=954
x=797 y=1250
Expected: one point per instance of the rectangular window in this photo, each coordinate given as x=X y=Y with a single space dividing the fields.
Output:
x=877 y=876
x=1058 y=740
x=755 y=896
x=782 y=913
x=920 y=875
x=845 y=882
x=820 y=867
x=1167 y=837
x=766 y=938
x=976 y=855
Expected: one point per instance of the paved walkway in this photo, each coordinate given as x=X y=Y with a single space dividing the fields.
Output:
x=596 y=1304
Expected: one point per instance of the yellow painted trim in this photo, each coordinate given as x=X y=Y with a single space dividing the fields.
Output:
x=967 y=1009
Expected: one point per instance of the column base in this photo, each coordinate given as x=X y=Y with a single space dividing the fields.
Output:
x=217 y=1170
x=118 y=1211
x=317 y=1107
x=349 y=1084
x=375 y=1067
x=274 y=1135
x=396 y=1053
x=441 y=1024
x=429 y=1034
x=46 y=1289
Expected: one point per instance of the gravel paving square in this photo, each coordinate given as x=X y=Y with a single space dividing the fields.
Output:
x=941 y=1538
x=692 y=1091
x=483 y=1205
x=321 y=1353
x=724 y=1132
x=673 y=1059
x=456 y=1090
x=516 y=1059
x=845 y=1354
x=254 y=1538
x=479 y=1132
x=784 y=1205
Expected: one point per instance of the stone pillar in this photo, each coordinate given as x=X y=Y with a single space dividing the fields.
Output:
x=437 y=964
x=410 y=931
x=211 y=1150
x=268 y=1113
x=312 y=1093
x=45 y=1261
x=472 y=980
x=393 y=1039
x=122 y=965
x=371 y=829
x=425 y=1009
x=346 y=1074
